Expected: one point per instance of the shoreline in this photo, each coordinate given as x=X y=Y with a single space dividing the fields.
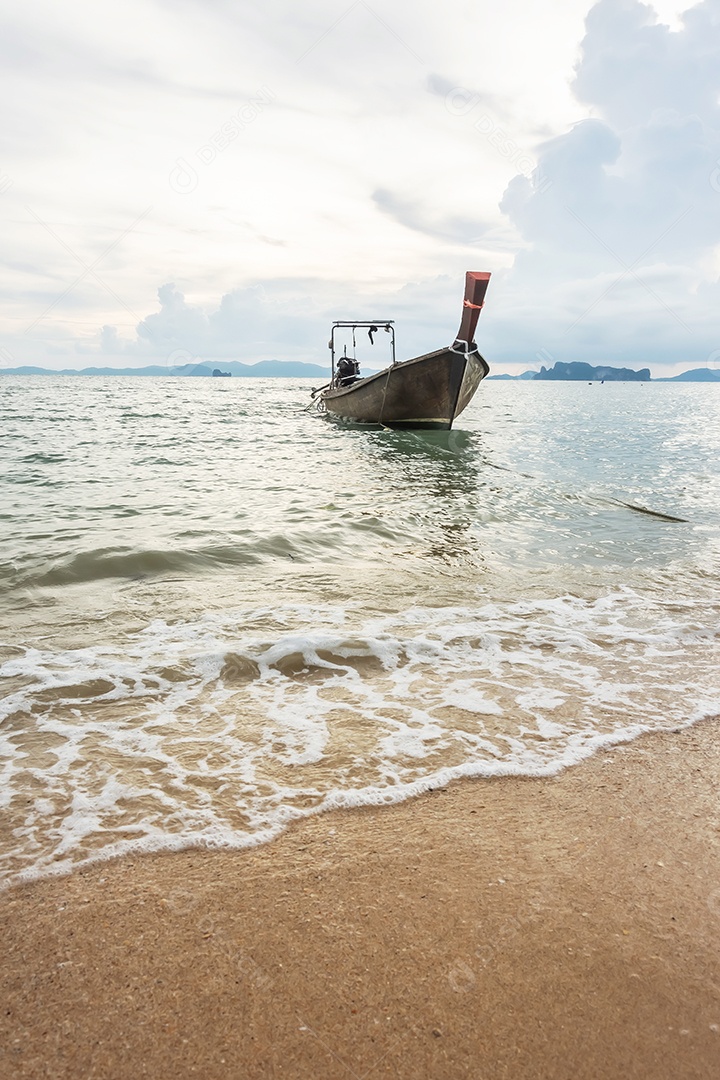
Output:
x=564 y=926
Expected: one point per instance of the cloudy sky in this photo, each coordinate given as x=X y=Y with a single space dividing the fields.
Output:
x=221 y=179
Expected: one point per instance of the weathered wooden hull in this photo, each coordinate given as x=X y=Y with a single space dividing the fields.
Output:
x=426 y=392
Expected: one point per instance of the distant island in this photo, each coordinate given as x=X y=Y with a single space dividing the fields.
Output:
x=294 y=369
x=578 y=372
x=586 y=373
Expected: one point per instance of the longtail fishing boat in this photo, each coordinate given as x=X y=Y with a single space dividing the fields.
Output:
x=428 y=391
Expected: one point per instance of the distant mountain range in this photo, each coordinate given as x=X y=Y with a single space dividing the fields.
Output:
x=293 y=369
x=265 y=369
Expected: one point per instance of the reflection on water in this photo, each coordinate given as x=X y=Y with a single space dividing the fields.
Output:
x=436 y=479
x=448 y=459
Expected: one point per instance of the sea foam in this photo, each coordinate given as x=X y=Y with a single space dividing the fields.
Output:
x=222 y=730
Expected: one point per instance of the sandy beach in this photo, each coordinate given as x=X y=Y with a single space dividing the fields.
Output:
x=564 y=927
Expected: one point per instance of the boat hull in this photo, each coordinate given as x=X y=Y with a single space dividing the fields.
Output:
x=428 y=391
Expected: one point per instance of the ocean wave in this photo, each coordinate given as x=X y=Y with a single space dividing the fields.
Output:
x=223 y=729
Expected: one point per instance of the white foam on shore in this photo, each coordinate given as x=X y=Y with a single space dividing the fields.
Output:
x=221 y=731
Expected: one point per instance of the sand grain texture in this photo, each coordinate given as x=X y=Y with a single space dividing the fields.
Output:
x=558 y=928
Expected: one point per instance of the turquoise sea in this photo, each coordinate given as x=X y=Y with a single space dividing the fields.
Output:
x=220 y=612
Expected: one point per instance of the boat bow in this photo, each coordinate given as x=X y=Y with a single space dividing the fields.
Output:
x=428 y=391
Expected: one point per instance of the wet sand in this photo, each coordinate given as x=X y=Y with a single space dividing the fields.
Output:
x=559 y=928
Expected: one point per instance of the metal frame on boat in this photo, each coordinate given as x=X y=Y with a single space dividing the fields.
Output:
x=428 y=391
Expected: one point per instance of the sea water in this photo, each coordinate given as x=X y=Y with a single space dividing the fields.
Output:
x=220 y=612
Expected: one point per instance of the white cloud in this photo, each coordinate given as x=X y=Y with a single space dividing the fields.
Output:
x=351 y=159
x=276 y=320
x=622 y=216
